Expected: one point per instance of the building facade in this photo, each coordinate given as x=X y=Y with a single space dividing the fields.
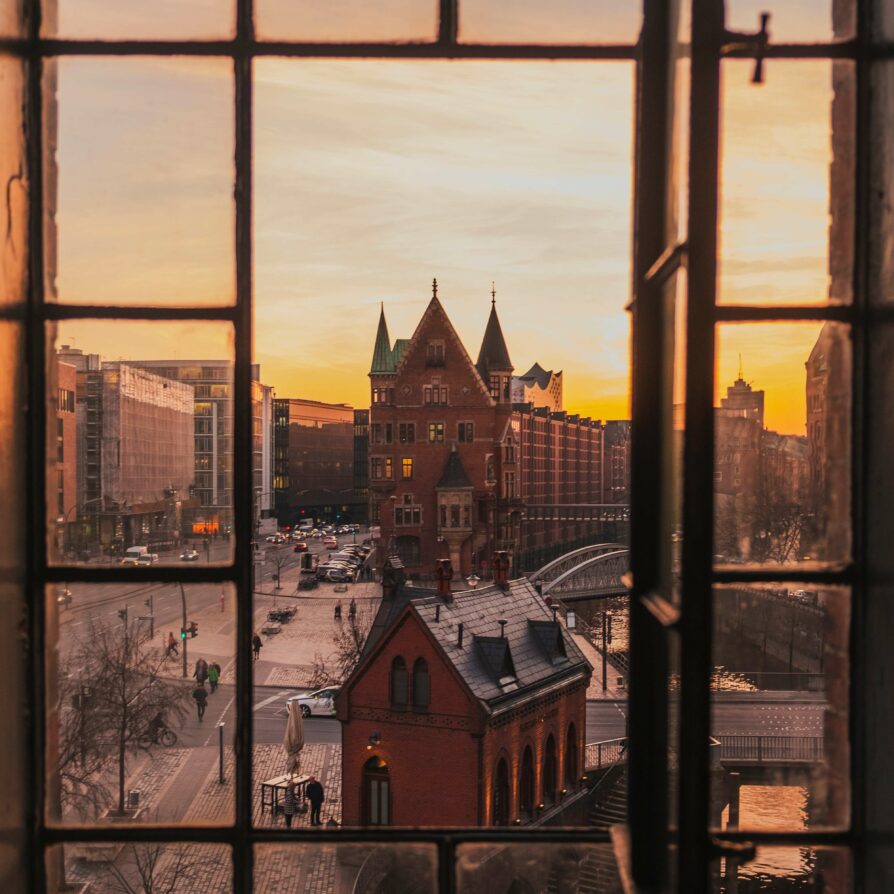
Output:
x=539 y=387
x=454 y=461
x=62 y=488
x=466 y=709
x=313 y=468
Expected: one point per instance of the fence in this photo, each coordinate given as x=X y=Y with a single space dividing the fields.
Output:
x=805 y=749
x=605 y=754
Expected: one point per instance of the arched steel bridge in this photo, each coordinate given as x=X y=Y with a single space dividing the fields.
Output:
x=595 y=570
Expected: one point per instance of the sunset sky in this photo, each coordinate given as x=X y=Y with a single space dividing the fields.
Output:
x=373 y=177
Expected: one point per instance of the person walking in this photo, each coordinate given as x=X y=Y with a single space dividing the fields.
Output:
x=256 y=646
x=201 y=671
x=172 y=645
x=314 y=794
x=213 y=676
x=201 y=696
x=352 y=609
x=290 y=804
x=338 y=610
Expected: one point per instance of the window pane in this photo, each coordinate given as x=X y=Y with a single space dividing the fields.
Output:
x=140 y=443
x=566 y=21
x=126 y=742
x=780 y=707
x=782 y=444
x=539 y=867
x=301 y=869
x=786 y=211
x=141 y=157
x=786 y=870
x=347 y=20
x=13 y=253
x=160 y=20
x=796 y=21
x=113 y=867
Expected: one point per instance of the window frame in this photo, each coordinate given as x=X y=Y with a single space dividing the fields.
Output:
x=654 y=260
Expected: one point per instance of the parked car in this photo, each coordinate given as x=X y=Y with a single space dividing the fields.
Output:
x=189 y=555
x=330 y=542
x=348 y=557
x=300 y=547
x=321 y=702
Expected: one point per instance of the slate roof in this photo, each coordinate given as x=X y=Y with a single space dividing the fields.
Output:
x=382 y=359
x=493 y=354
x=480 y=662
x=454 y=474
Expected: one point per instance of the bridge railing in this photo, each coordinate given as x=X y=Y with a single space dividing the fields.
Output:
x=807 y=749
x=605 y=754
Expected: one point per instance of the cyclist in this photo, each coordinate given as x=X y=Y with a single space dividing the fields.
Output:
x=156 y=725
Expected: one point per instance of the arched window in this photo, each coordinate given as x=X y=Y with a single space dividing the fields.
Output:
x=376 y=793
x=501 y=794
x=421 y=685
x=399 y=684
x=549 y=771
x=526 y=784
x=571 y=772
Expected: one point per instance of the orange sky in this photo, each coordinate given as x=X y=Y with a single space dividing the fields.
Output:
x=373 y=177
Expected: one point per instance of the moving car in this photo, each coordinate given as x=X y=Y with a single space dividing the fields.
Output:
x=139 y=555
x=330 y=542
x=190 y=555
x=275 y=538
x=300 y=547
x=320 y=702
x=335 y=575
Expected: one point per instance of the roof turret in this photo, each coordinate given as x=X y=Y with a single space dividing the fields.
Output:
x=382 y=359
x=494 y=355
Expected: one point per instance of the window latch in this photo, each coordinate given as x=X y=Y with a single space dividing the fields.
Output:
x=752 y=46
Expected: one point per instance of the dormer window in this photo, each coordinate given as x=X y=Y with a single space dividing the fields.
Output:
x=434 y=353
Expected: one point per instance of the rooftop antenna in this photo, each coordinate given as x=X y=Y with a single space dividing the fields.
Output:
x=740 y=368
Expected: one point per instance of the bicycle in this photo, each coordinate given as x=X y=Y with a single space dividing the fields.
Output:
x=163 y=736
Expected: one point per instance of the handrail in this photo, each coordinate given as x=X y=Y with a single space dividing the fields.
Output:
x=606 y=753
x=762 y=749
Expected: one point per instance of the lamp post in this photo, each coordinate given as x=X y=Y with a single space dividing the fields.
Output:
x=606 y=639
x=183 y=627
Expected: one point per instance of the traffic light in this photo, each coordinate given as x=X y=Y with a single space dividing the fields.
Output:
x=193 y=629
x=183 y=632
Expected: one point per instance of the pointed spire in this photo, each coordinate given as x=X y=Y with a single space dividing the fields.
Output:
x=741 y=377
x=434 y=289
x=382 y=359
x=494 y=355
x=493 y=294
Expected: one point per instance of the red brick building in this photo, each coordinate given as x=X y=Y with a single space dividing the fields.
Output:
x=466 y=710
x=453 y=462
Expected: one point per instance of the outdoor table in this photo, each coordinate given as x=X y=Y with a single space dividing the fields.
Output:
x=272 y=789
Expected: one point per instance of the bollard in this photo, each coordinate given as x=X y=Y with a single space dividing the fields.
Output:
x=220 y=732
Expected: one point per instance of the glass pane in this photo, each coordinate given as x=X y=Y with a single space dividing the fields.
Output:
x=786 y=211
x=140 y=688
x=160 y=20
x=780 y=707
x=347 y=20
x=306 y=869
x=140 y=158
x=139 y=866
x=796 y=21
x=140 y=443
x=566 y=21
x=786 y=870
x=782 y=444
x=13 y=252
x=483 y=868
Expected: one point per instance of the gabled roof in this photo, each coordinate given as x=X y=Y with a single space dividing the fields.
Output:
x=494 y=355
x=454 y=475
x=382 y=359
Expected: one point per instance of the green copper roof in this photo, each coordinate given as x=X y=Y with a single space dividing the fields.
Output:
x=382 y=359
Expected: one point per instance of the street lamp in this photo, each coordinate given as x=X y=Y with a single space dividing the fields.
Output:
x=473 y=580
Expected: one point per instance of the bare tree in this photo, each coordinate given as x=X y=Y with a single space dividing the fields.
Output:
x=159 y=868
x=349 y=642
x=278 y=559
x=116 y=672
x=320 y=675
x=779 y=523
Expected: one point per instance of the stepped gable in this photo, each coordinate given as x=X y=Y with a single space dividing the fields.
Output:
x=454 y=475
x=494 y=355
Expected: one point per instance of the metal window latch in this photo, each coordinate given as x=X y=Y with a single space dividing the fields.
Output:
x=753 y=46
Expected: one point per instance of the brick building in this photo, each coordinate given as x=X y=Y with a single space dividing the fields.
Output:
x=453 y=461
x=63 y=476
x=466 y=709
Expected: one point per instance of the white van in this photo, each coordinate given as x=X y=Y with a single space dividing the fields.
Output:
x=139 y=555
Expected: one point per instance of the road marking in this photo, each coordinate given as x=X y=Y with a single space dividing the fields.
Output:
x=270 y=700
x=219 y=720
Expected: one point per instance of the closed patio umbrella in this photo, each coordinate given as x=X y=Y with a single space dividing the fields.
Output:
x=293 y=741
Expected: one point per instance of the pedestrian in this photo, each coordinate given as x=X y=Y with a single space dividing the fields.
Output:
x=338 y=610
x=256 y=646
x=201 y=697
x=352 y=609
x=201 y=671
x=314 y=794
x=213 y=676
x=172 y=644
x=290 y=804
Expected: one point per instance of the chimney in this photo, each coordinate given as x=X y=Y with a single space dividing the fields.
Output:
x=501 y=568
x=502 y=624
x=443 y=575
x=459 y=634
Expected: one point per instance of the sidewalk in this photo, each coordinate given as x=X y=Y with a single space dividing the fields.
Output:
x=613 y=675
